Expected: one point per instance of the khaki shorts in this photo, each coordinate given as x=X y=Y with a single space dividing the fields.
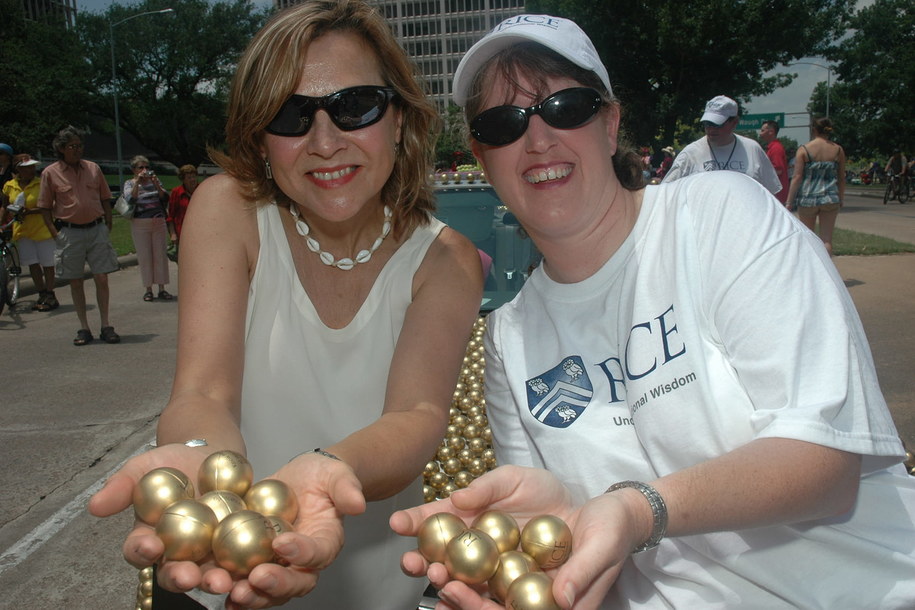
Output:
x=76 y=247
x=813 y=210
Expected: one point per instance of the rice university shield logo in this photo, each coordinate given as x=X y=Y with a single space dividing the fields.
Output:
x=558 y=396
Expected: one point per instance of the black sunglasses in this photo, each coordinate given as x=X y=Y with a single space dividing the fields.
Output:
x=350 y=109
x=566 y=109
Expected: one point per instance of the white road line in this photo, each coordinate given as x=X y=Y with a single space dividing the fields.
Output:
x=35 y=539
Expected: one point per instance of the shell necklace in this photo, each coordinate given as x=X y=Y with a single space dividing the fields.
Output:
x=344 y=264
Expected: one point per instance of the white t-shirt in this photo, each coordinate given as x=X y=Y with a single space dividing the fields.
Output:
x=744 y=156
x=307 y=386
x=720 y=320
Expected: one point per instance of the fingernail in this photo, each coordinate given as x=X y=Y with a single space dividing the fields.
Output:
x=268 y=583
x=569 y=592
x=289 y=550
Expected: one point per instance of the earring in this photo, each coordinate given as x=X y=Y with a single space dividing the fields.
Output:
x=268 y=168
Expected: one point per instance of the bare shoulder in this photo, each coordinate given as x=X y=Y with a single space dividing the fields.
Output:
x=451 y=268
x=219 y=217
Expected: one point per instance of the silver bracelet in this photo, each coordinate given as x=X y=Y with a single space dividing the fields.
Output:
x=196 y=442
x=658 y=512
x=320 y=451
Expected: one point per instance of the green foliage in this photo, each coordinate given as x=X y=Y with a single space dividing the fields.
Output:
x=172 y=70
x=452 y=141
x=666 y=59
x=871 y=105
x=44 y=79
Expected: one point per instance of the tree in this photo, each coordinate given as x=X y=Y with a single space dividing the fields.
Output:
x=871 y=104
x=173 y=71
x=666 y=59
x=44 y=77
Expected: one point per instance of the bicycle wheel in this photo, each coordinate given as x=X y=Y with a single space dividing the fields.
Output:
x=4 y=286
x=888 y=193
x=903 y=193
x=11 y=275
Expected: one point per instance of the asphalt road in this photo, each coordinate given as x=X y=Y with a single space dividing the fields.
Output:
x=69 y=416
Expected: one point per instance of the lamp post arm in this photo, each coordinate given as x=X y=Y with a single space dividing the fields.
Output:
x=114 y=86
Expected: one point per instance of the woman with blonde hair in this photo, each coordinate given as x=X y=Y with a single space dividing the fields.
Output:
x=818 y=186
x=324 y=313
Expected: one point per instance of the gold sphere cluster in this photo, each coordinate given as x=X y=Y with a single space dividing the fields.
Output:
x=466 y=451
x=234 y=521
x=488 y=552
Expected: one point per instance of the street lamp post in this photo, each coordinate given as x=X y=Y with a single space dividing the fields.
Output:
x=828 y=77
x=114 y=84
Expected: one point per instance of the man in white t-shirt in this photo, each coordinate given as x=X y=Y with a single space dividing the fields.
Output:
x=722 y=149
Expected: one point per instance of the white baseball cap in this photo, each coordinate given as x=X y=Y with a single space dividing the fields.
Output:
x=719 y=109
x=556 y=33
x=27 y=163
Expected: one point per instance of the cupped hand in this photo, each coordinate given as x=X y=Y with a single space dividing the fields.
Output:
x=600 y=527
x=326 y=491
x=142 y=548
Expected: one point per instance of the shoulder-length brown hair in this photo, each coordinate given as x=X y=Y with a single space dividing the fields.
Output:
x=537 y=63
x=269 y=72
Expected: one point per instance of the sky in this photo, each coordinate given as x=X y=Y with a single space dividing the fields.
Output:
x=792 y=99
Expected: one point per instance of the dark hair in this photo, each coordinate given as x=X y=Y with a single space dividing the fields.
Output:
x=772 y=124
x=538 y=64
x=63 y=138
x=822 y=126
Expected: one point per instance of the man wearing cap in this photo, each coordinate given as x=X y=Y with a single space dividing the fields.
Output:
x=76 y=205
x=768 y=133
x=722 y=149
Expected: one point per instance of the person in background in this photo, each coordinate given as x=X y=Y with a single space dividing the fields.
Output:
x=818 y=186
x=646 y=385
x=75 y=197
x=722 y=149
x=36 y=247
x=7 y=169
x=325 y=313
x=179 y=199
x=768 y=133
x=148 y=227
x=666 y=162
x=897 y=165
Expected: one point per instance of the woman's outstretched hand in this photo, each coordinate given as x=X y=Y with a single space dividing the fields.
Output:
x=600 y=543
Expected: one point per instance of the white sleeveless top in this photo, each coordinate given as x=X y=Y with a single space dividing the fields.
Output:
x=306 y=385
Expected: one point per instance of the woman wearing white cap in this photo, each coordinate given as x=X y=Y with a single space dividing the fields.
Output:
x=645 y=385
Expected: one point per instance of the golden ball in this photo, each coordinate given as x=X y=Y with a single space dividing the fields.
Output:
x=465 y=455
x=242 y=541
x=449 y=489
x=280 y=525
x=146 y=588
x=428 y=493
x=548 y=540
x=472 y=557
x=146 y=573
x=501 y=527
x=512 y=564
x=531 y=591
x=463 y=478
x=471 y=431
x=157 y=490
x=477 y=446
x=223 y=503
x=476 y=467
x=456 y=442
x=438 y=480
x=186 y=529
x=436 y=532
x=444 y=452
x=225 y=471
x=145 y=603
x=273 y=497
x=452 y=465
x=909 y=459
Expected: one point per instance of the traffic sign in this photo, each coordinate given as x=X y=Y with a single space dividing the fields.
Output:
x=752 y=122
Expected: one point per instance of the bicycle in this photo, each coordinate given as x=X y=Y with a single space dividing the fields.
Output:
x=897 y=187
x=10 y=269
